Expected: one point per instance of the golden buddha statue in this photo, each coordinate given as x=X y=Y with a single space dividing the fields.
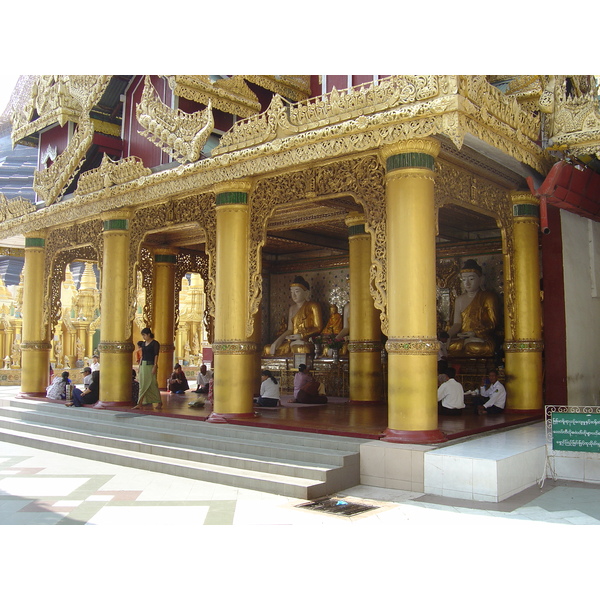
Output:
x=304 y=320
x=476 y=316
x=335 y=323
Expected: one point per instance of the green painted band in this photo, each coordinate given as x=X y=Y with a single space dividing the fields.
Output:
x=35 y=242
x=165 y=258
x=356 y=230
x=526 y=210
x=410 y=160
x=232 y=198
x=116 y=224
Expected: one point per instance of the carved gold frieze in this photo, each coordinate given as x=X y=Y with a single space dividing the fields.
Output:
x=234 y=347
x=57 y=99
x=231 y=95
x=180 y=134
x=50 y=183
x=573 y=113
x=111 y=172
x=14 y=207
x=293 y=87
x=107 y=128
x=116 y=347
x=523 y=346
x=412 y=346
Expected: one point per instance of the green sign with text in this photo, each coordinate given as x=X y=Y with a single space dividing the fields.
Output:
x=576 y=432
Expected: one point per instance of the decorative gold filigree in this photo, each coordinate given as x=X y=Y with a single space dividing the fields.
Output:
x=192 y=262
x=57 y=99
x=64 y=246
x=231 y=95
x=292 y=87
x=50 y=183
x=412 y=345
x=524 y=346
x=14 y=207
x=361 y=178
x=111 y=172
x=179 y=134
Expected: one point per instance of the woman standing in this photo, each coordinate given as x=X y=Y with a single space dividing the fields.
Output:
x=269 y=390
x=149 y=392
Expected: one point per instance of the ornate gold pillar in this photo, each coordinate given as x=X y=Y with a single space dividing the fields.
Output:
x=165 y=262
x=411 y=300
x=115 y=332
x=35 y=346
x=234 y=352
x=366 y=372
x=524 y=349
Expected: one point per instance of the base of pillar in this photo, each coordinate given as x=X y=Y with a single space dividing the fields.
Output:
x=227 y=417
x=105 y=404
x=398 y=436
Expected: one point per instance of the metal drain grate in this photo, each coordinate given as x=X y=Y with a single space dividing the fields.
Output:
x=337 y=506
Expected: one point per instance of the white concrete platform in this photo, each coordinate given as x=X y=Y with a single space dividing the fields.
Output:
x=489 y=468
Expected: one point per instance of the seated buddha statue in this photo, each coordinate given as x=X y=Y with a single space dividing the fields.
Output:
x=476 y=316
x=304 y=320
x=333 y=326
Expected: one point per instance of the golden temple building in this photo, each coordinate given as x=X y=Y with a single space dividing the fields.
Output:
x=192 y=203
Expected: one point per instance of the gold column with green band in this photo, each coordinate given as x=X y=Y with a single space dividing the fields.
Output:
x=165 y=263
x=115 y=346
x=35 y=346
x=366 y=371
x=524 y=352
x=411 y=292
x=234 y=353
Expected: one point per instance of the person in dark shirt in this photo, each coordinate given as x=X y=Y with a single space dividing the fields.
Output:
x=149 y=392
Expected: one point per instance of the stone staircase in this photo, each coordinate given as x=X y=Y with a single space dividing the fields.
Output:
x=288 y=463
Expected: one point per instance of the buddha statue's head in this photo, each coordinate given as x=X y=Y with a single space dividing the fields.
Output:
x=471 y=276
x=299 y=289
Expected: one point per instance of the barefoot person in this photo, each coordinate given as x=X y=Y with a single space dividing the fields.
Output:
x=149 y=392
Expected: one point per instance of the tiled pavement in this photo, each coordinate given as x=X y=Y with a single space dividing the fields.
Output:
x=139 y=509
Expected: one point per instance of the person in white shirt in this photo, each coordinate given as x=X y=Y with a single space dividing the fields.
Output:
x=202 y=380
x=451 y=396
x=269 y=390
x=87 y=377
x=492 y=395
x=95 y=366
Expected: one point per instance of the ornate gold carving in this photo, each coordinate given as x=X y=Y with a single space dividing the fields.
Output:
x=179 y=134
x=64 y=246
x=35 y=346
x=365 y=346
x=50 y=183
x=421 y=146
x=362 y=178
x=14 y=207
x=111 y=172
x=107 y=128
x=117 y=347
x=230 y=95
x=412 y=345
x=523 y=346
x=199 y=209
x=57 y=99
x=234 y=347
x=292 y=87
x=188 y=262
x=573 y=120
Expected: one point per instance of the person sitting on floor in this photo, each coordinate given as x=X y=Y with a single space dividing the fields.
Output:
x=178 y=382
x=269 y=390
x=202 y=380
x=450 y=395
x=89 y=396
x=57 y=390
x=492 y=395
x=87 y=377
x=307 y=389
